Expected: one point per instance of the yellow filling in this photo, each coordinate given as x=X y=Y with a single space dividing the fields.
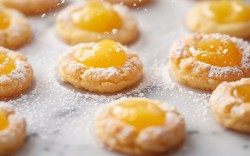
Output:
x=216 y=52
x=4 y=20
x=3 y=122
x=242 y=92
x=97 y=17
x=140 y=114
x=104 y=54
x=7 y=65
x=229 y=11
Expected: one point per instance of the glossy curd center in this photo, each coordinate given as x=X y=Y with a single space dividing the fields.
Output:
x=7 y=65
x=104 y=54
x=140 y=114
x=216 y=52
x=242 y=92
x=3 y=121
x=4 y=20
x=226 y=11
x=97 y=17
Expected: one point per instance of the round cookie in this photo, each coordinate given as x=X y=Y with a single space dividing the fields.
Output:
x=225 y=17
x=15 y=73
x=140 y=126
x=12 y=130
x=83 y=23
x=31 y=7
x=102 y=67
x=230 y=105
x=15 y=30
x=205 y=61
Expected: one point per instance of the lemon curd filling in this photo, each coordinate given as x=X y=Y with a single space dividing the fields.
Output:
x=3 y=122
x=4 y=20
x=228 y=11
x=7 y=65
x=140 y=114
x=242 y=92
x=216 y=52
x=97 y=17
x=104 y=54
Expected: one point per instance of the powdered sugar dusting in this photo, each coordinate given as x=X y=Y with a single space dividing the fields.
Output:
x=60 y=117
x=71 y=102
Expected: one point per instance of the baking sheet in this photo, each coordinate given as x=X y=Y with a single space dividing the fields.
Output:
x=60 y=118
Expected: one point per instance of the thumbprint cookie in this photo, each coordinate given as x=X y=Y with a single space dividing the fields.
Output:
x=225 y=17
x=140 y=126
x=12 y=130
x=101 y=67
x=15 y=73
x=205 y=61
x=15 y=30
x=94 y=21
x=230 y=103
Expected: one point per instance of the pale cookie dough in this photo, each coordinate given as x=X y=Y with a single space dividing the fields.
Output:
x=196 y=74
x=72 y=34
x=19 y=80
x=196 y=21
x=229 y=110
x=31 y=7
x=123 y=137
x=18 y=32
x=100 y=80
x=11 y=138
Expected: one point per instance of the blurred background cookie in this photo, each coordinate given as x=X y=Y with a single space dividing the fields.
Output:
x=15 y=30
x=12 y=130
x=95 y=21
x=31 y=7
x=225 y=17
x=230 y=105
